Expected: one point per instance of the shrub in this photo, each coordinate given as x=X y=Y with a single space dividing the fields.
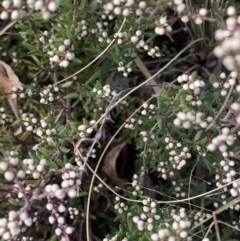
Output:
x=120 y=120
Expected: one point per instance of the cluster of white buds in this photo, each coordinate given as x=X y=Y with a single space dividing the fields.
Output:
x=106 y=91
x=180 y=224
x=11 y=168
x=84 y=130
x=24 y=238
x=199 y=217
x=20 y=92
x=121 y=37
x=46 y=7
x=180 y=7
x=119 y=206
x=98 y=106
x=123 y=104
x=178 y=189
x=35 y=168
x=15 y=59
x=98 y=188
x=73 y=212
x=57 y=219
x=225 y=171
x=153 y=52
x=16 y=223
x=103 y=37
x=223 y=176
x=192 y=84
x=53 y=190
x=99 y=29
x=138 y=40
x=148 y=110
x=162 y=235
x=224 y=85
x=79 y=158
x=163 y=168
x=29 y=121
x=162 y=26
x=147 y=136
x=15 y=9
x=228 y=38
x=48 y=43
x=136 y=185
x=201 y=151
x=125 y=8
x=186 y=120
x=178 y=154
x=124 y=69
x=133 y=123
x=40 y=128
x=236 y=224
x=47 y=94
x=235 y=107
x=235 y=190
x=178 y=157
x=199 y=17
x=70 y=175
x=221 y=141
x=61 y=55
x=84 y=29
x=5 y=118
x=146 y=220
x=135 y=39
x=12 y=9
x=23 y=190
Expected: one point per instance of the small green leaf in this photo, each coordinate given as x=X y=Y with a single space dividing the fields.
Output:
x=92 y=217
x=159 y=122
x=16 y=122
x=54 y=238
x=94 y=76
x=51 y=164
x=129 y=222
x=36 y=60
x=30 y=181
x=24 y=135
x=67 y=84
x=71 y=96
x=83 y=4
x=62 y=131
x=64 y=149
x=198 y=136
x=32 y=155
x=85 y=122
x=82 y=194
x=17 y=202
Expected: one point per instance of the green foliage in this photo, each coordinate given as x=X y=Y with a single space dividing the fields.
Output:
x=89 y=151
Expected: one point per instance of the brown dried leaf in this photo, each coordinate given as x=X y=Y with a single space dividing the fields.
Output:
x=110 y=163
x=5 y=86
x=7 y=71
x=8 y=80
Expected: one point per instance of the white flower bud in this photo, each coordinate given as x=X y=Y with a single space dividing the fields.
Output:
x=49 y=206
x=72 y=193
x=15 y=14
x=58 y=231
x=69 y=230
x=4 y=15
x=9 y=176
x=142 y=5
x=52 y=6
